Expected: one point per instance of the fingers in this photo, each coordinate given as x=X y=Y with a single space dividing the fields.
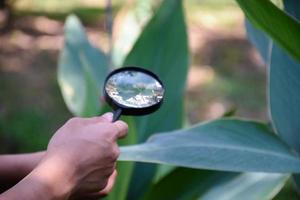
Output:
x=107 y=117
x=110 y=184
x=122 y=129
x=120 y=126
x=104 y=192
x=80 y=195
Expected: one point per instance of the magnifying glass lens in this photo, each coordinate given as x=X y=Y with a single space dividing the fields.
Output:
x=134 y=89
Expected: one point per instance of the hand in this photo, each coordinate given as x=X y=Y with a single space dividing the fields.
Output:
x=96 y=195
x=83 y=154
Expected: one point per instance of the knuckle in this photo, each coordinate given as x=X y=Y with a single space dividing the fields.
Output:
x=105 y=145
x=124 y=125
x=111 y=157
x=107 y=130
x=116 y=152
x=121 y=128
x=111 y=136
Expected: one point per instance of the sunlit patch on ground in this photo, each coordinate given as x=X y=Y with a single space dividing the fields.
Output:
x=199 y=76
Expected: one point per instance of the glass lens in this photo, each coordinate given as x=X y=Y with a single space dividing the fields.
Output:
x=134 y=89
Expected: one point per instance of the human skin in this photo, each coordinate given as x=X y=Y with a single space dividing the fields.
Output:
x=13 y=168
x=79 y=162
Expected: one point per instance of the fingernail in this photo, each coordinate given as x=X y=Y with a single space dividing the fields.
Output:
x=108 y=116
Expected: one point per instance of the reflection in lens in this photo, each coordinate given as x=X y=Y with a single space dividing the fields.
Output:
x=134 y=89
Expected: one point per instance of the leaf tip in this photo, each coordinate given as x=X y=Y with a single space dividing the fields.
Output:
x=74 y=31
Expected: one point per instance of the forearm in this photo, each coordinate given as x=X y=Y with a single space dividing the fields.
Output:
x=48 y=181
x=29 y=188
x=15 y=167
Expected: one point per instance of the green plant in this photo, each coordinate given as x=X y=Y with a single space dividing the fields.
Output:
x=235 y=148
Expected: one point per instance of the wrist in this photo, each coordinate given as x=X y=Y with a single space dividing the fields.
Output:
x=16 y=166
x=56 y=178
x=46 y=182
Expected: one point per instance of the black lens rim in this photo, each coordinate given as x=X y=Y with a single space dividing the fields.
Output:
x=129 y=110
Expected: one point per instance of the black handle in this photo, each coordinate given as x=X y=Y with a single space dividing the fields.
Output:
x=117 y=114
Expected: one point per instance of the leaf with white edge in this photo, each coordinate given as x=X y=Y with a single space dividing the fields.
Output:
x=260 y=40
x=225 y=144
x=285 y=96
x=211 y=185
x=247 y=186
x=284 y=89
x=82 y=69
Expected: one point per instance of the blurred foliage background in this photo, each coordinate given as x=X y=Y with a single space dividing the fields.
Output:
x=226 y=74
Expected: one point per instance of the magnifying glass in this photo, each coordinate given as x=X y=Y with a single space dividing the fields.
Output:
x=133 y=91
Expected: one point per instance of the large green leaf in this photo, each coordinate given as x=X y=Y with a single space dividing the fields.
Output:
x=283 y=29
x=292 y=8
x=284 y=80
x=284 y=89
x=81 y=71
x=260 y=40
x=247 y=186
x=226 y=144
x=187 y=184
x=124 y=169
x=128 y=26
x=285 y=96
x=162 y=48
